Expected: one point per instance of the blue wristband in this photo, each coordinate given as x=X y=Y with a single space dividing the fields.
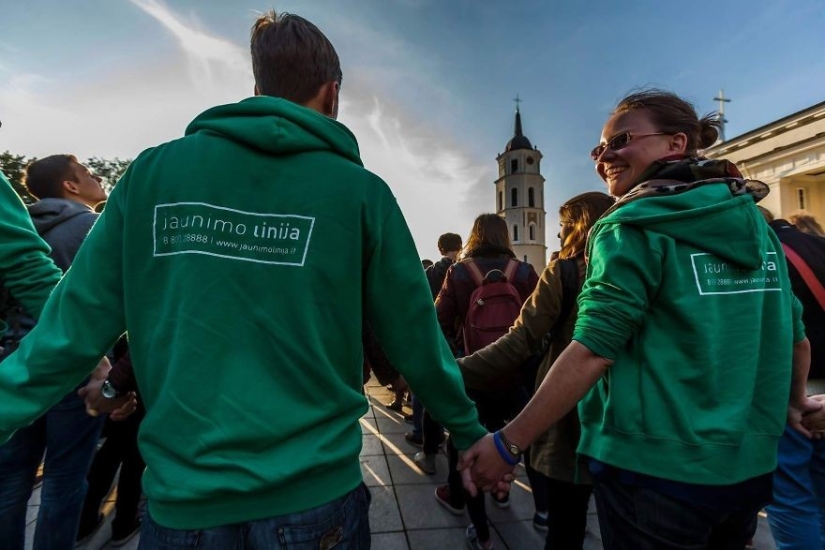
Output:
x=503 y=452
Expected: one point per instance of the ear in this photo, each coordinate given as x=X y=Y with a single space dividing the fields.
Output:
x=70 y=187
x=678 y=143
x=329 y=94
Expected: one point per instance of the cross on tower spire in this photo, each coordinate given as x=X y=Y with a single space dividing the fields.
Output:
x=517 y=100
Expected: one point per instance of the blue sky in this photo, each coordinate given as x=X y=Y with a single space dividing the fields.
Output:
x=428 y=84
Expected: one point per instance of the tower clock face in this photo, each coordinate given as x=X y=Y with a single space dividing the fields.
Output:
x=529 y=160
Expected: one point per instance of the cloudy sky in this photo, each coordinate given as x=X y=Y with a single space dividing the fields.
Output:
x=428 y=84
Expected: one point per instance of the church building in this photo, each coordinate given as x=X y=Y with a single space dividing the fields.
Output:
x=788 y=155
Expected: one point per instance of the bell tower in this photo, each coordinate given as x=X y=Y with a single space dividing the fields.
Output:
x=520 y=197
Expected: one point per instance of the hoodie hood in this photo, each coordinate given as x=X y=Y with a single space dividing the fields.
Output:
x=49 y=213
x=277 y=126
x=703 y=203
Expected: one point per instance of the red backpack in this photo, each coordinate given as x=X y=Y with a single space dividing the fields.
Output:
x=494 y=306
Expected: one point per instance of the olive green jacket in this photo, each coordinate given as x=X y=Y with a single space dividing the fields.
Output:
x=554 y=453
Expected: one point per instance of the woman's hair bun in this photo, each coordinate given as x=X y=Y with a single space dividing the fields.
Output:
x=709 y=126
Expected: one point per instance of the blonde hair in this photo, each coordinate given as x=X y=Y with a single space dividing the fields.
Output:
x=805 y=222
x=581 y=212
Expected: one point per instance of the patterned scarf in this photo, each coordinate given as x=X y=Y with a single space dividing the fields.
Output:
x=678 y=173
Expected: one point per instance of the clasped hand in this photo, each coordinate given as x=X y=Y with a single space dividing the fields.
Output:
x=119 y=408
x=482 y=468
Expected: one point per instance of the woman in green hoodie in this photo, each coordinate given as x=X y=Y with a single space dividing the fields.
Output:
x=687 y=347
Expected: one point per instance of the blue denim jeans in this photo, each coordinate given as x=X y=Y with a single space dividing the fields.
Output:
x=341 y=524
x=797 y=515
x=68 y=436
x=417 y=415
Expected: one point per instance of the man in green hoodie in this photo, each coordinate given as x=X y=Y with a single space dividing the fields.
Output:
x=241 y=259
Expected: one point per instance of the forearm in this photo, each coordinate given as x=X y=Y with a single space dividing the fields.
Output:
x=122 y=375
x=504 y=355
x=801 y=364
x=572 y=375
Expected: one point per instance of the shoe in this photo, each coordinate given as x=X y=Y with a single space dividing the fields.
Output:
x=501 y=503
x=540 y=522
x=122 y=536
x=414 y=439
x=425 y=462
x=395 y=405
x=471 y=537
x=442 y=495
x=85 y=535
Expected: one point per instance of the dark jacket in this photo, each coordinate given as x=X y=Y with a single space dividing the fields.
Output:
x=812 y=249
x=453 y=300
x=436 y=274
x=63 y=224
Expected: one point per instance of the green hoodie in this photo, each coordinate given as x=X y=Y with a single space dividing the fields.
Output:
x=689 y=295
x=241 y=258
x=26 y=270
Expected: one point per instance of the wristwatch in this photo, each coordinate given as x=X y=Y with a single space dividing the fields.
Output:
x=511 y=447
x=109 y=391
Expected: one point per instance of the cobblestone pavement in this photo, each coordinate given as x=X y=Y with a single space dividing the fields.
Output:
x=404 y=514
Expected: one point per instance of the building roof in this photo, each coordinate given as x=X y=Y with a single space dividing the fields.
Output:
x=519 y=140
x=772 y=129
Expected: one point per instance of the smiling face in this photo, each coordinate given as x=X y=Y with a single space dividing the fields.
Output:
x=621 y=169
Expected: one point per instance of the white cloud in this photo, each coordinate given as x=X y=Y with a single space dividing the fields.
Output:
x=439 y=185
x=430 y=177
x=208 y=56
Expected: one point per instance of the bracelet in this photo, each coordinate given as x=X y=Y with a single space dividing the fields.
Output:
x=503 y=452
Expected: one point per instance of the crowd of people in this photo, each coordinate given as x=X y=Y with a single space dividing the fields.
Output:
x=659 y=362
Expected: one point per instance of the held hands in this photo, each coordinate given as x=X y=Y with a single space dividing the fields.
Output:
x=808 y=417
x=119 y=408
x=483 y=468
x=814 y=421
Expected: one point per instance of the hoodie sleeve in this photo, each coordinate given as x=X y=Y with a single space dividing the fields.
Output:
x=618 y=289
x=25 y=268
x=400 y=309
x=82 y=319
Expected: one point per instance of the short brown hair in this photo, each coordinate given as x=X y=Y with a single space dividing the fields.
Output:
x=449 y=242
x=488 y=229
x=671 y=114
x=581 y=212
x=291 y=57
x=44 y=177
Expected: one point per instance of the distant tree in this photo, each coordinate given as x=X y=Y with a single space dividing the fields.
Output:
x=109 y=169
x=14 y=167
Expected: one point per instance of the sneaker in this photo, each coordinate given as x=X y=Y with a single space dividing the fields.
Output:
x=540 y=522
x=442 y=495
x=471 y=537
x=394 y=405
x=501 y=503
x=414 y=439
x=86 y=533
x=425 y=462
x=122 y=536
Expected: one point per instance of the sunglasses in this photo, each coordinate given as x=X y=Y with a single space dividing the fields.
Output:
x=619 y=141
